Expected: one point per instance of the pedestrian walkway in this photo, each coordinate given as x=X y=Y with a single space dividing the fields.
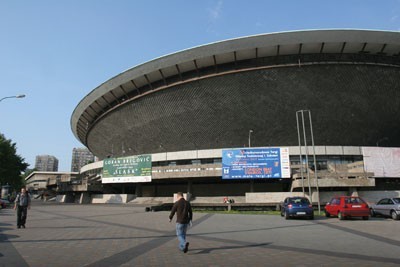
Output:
x=123 y=235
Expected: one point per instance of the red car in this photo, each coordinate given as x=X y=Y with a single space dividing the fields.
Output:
x=344 y=207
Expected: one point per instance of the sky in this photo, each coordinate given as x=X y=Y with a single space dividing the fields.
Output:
x=56 y=52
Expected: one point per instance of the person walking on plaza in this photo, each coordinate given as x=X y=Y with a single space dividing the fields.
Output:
x=22 y=204
x=184 y=216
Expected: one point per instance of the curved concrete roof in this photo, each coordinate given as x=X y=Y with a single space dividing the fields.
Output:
x=118 y=90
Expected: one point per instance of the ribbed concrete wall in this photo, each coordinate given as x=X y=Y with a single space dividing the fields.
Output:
x=352 y=105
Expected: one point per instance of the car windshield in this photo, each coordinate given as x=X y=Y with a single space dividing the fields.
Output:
x=354 y=200
x=299 y=201
x=396 y=200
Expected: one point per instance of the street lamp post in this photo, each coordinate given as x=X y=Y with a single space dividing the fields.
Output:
x=14 y=96
x=250 y=131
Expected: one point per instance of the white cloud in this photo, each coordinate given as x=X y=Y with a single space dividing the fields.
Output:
x=215 y=12
x=214 y=15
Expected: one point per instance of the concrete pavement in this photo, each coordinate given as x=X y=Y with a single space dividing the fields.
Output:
x=125 y=235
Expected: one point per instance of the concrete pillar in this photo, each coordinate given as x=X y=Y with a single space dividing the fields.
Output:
x=85 y=198
x=138 y=190
x=189 y=190
x=69 y=198
x=189 y=186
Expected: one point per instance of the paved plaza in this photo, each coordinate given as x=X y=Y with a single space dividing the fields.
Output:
x=125 y=235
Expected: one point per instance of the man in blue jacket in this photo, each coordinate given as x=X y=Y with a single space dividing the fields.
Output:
x=184 y=217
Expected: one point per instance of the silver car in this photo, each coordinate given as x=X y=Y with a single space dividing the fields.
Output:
x=387 y=207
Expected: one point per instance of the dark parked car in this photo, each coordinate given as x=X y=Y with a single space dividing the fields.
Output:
x=4 y=203
x=297 y=207
x=345 y=206
x=387 y=207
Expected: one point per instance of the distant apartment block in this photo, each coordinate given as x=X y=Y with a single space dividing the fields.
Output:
x=81 y=157
x=46 y=163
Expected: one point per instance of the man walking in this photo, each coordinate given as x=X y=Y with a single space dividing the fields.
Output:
x=22 y=204
x=184 y=217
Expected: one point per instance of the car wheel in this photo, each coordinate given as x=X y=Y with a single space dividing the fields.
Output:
x=365 y=218
x=286 y=215
x=394 y=215
x=340 y=216
x=327 y=214
x=281 y=213
x=372 y=212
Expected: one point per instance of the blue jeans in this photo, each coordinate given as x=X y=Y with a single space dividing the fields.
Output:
x=181 y=234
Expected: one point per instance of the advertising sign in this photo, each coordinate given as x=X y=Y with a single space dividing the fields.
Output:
x=255 y=163
x=382 y=161
x=134 y=169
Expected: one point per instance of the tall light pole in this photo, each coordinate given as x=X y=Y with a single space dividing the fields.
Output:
x=250 y=131
x=300 y=154
x=251 y=180
x=308 y=112
x=14 y=96
x=315 y=161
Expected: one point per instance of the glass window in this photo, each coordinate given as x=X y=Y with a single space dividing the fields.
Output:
x=353 y=200
x=196 y=162
x=217 y=160
x=299 y=200
x=305 y=201
x=382 y=201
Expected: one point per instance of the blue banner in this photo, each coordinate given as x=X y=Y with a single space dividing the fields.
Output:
x=255 y=163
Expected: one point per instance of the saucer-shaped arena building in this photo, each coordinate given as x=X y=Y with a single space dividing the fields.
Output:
x=184 y=108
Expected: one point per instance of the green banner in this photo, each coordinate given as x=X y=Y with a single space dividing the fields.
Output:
x=133 y=169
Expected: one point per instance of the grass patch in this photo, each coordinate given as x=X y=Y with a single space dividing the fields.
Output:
x=250 y=212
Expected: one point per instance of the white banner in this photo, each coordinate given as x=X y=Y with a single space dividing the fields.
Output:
x=382 y=161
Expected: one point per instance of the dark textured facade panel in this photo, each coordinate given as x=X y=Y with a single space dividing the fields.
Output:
x=350 y=104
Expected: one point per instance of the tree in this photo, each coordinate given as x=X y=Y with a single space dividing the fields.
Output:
x=11 y=164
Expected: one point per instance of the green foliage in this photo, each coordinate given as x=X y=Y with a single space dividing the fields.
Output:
x=11 y=164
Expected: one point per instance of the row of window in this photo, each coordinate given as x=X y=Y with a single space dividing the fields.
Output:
x=185 y=170
x=322 y=164
x=322 y=161
x=187 y=162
